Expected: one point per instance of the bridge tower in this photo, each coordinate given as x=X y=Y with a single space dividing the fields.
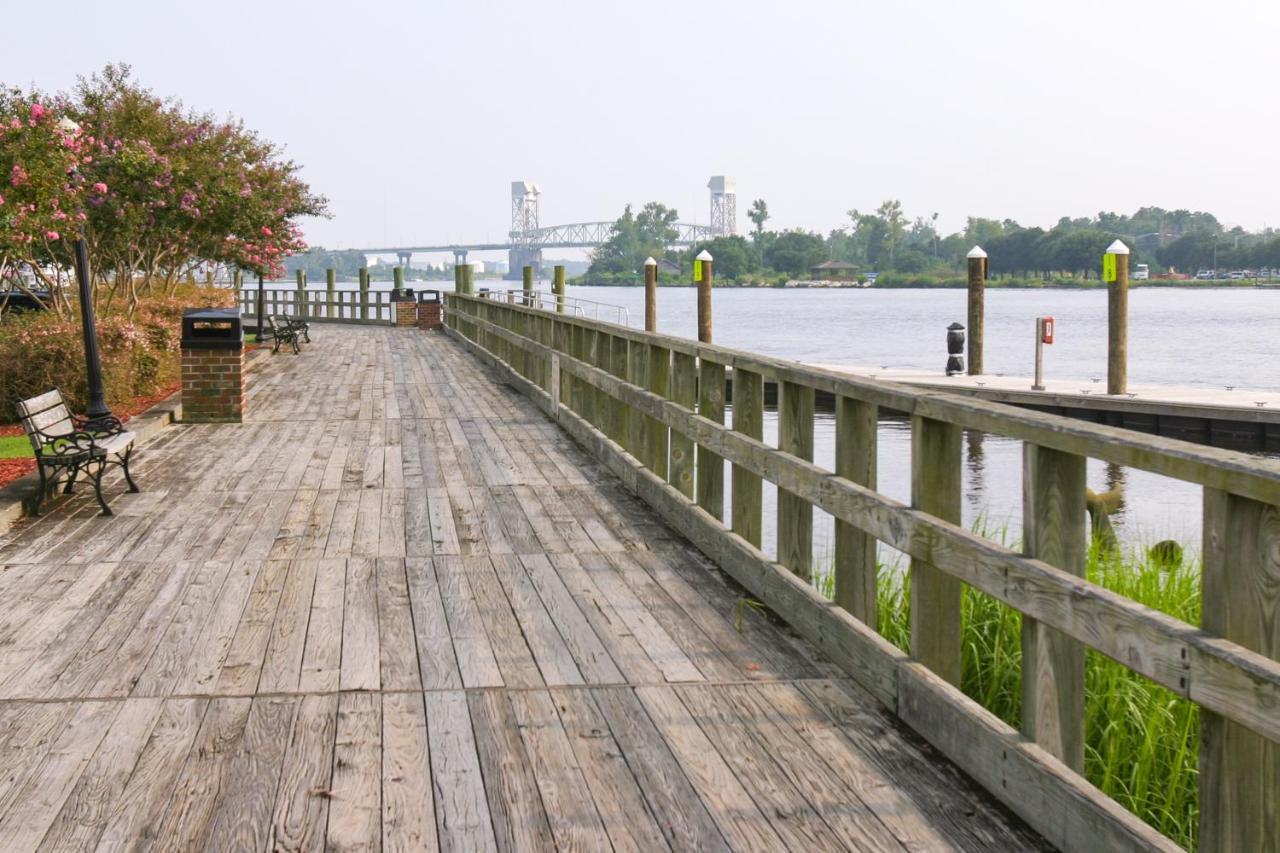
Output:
x=724 y=205
x=524 y=222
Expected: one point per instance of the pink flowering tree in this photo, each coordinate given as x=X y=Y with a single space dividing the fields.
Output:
x=41 y=194
x=158 y=191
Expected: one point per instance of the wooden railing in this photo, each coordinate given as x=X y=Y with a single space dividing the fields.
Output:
x=652 y=408
x=345 y=306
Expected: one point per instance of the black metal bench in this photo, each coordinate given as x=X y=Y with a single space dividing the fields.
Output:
x=64 y=442
x=282 y=331
x=298 y=325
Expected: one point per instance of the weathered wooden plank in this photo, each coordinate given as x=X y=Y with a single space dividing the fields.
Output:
x=710 y=467
x=408 y=809
x=360 y=647
x=657 y=442
x=684 y=392
x=205 y=773
x=1239 y=769
x=681 y=815
x=473 y=652
x=795 y=515
x=1053 y=530
x=730 y=805
x=855 y=563
x=242 y=820
x=84 y=814
x=322 y=652
x=355 y=794
x=138 y=810
x=397 y=645
x=462 y=811
x=515 y=806
x=935 y=596
x=302 y=798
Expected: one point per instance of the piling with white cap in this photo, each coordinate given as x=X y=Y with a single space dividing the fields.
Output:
x=977 y=297
x=1115 y=273
x=704 y=296
x=650 y=295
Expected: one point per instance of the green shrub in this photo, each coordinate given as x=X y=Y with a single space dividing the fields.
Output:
x=140 y=355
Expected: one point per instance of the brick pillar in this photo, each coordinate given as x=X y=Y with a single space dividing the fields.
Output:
x=212 y=385
x=429 y=315
x=407 y=313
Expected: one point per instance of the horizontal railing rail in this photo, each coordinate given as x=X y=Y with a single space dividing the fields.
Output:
x=652 y=407
x=574 y=305
x=338 y=306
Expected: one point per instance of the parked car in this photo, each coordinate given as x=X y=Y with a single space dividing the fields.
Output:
x=1204 y=275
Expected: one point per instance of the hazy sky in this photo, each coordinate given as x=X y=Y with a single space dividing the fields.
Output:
x=414 y=117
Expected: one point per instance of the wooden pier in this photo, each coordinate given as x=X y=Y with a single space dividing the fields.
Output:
x=398 y=607
x=491 y=590
x=1234 y=417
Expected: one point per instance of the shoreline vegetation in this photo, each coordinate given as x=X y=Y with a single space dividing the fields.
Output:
x=1142 y=742
x=894 y=282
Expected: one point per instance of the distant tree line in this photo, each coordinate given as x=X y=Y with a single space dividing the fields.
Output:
x=888 y=240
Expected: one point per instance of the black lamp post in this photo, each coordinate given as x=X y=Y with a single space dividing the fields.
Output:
x=261 y=302
x=97 y=410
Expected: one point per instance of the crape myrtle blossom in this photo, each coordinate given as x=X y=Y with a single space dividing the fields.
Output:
x=155 y=189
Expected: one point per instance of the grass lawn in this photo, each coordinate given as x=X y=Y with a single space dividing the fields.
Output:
x=14 y=446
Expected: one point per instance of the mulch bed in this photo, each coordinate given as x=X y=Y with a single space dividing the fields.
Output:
x=12 y=469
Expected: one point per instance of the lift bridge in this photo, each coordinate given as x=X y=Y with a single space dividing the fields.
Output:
x=528 y=237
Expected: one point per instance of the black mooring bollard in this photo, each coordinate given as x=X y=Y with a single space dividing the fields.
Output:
x=955 y=349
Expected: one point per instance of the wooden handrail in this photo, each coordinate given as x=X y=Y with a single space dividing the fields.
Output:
x=593 y=377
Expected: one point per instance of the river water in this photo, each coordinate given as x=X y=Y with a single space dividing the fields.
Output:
x=1179 y=336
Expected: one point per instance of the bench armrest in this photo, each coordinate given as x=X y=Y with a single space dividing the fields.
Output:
x=104 y=426
x=68 y=444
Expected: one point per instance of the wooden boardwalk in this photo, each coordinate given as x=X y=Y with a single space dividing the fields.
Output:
x=398 y=608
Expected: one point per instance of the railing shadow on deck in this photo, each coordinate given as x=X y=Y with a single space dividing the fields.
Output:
x=651 y=407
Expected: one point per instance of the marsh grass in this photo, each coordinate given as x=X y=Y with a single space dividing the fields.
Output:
x=1141 y=740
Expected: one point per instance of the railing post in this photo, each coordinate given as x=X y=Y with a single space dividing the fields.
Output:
x=684 y=392
x=656 y=439
x=795 y=516
x=364 y=293
x=855 y=557
x=704 y=298
x=977 y=285
x=935 y=595
x=1115 y=270
x=330 y=286
x=301 y=298
x=1053 y=530
x=748 y=419
x=619 y=424
x=710 y=466
x=1239 y=770
x=557 y=285
x=638 y=374
x=650 y=295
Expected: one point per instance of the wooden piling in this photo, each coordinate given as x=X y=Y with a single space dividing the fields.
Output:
x=300 y=294
x=330 y=288
x=1053 y=530
x=527 y=282
x=1115 y=271
x=557 y=287
x=855 y=550
x=364 y=293
x=468 y=283
x=397 y=274
x=704 y=298
x=977 y=298
x=650 y=295
x=935 y=595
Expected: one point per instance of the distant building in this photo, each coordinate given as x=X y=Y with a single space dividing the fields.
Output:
x=834 y=271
